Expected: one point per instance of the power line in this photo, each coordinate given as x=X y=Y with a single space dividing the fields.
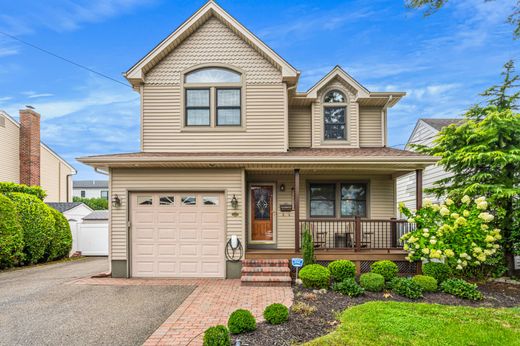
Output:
x=417 y=142
x=64 y=59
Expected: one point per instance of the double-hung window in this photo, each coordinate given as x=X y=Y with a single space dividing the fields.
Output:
x=334 y=116
x=343 y=200
x=213 y=97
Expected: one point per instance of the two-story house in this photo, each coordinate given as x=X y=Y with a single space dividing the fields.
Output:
x=90 y=188
x=229 y=147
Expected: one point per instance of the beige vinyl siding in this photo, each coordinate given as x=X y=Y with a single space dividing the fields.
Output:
x=351 y=121
x=162 y=123
x=229 y=181
x=370 y=127
x=9 y=152
x=300 y=127
x=53 y=176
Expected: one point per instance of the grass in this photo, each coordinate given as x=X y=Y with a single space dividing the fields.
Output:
x=417 y=324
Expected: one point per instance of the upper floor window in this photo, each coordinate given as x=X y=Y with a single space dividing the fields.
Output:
x=213 y=97
x=334 y=116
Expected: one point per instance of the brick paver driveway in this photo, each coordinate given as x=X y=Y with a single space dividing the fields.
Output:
x=40 y=306
x=210 y=304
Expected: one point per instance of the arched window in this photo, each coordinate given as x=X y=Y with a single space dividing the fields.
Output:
x=334 y=116
x=213 y=97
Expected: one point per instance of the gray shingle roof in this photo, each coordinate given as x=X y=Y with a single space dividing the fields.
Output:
x=97 y=215
x=63 y=206
x=438 y=124
x=90 y=183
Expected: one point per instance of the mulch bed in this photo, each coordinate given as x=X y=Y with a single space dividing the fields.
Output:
x=302 y=328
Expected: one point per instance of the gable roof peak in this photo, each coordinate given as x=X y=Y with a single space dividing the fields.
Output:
x=338 y=71
x=135 y=75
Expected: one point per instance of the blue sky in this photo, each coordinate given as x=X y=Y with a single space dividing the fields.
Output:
x=442 y=61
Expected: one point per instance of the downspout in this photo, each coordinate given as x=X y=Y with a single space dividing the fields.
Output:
x=384 y=121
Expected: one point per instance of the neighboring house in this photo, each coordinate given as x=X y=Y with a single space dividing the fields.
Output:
x=73 y=211
x=229 y=147
x=424 y=133
x=24 y=159
x=90 y=188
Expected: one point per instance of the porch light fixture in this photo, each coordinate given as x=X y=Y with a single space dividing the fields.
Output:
x=116 y=201
x=282 y=187
x=234 y=202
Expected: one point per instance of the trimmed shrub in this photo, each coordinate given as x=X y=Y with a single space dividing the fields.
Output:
x=61 y=240
x=389 y=285
x=216 y=336
x=386 y=268
x=462 y=289
x=342 y=269
x=241 y=321
x=37 y=223
x=428 y=283
x=372 y=282
x=37 y=191
x=315 y=276
x=438 y=270
x=11 y=234
x=276 y=313
x=407 y=288
x=349 y=287
x=307 y=247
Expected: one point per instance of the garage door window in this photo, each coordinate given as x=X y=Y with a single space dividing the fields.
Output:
x=166 y=200
x=189 y=200
x=210 y=200
x=144 y=200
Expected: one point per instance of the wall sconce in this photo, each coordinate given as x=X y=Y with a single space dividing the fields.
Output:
x=282 y=187
x=234 y=202
x=116 y=201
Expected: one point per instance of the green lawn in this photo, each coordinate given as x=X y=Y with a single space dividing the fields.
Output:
x=392 y=323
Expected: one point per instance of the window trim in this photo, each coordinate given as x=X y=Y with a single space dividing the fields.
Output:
x=329 y=105
x=345 y=105
x=333 y=201
x=337 y=202
x=186 y=107
x=239 y=107
x=101 y=194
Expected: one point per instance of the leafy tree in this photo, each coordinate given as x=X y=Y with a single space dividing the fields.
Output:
x=433 y=6
x=93 y=203
x=483 y=153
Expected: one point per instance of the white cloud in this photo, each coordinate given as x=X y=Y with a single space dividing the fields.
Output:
x=33 y=94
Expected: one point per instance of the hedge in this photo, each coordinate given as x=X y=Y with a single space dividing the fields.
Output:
x=61 y=240
x=37 y=191
x=37 y=223
x=11 y=234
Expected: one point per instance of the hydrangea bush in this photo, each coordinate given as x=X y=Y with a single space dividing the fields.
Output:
x=459 y=234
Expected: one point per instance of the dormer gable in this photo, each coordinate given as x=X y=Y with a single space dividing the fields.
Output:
x=338 y=75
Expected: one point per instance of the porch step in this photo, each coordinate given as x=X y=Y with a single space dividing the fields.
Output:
x=270 y=281
x=265 y=271
x=265 y=263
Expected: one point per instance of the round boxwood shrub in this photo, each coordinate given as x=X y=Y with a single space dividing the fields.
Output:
x=438 y=270
x=386 y=268
x=61 y=240
x=37 y=223
x=241 y=321
x=372 y=282
x=407 y=288
x=315 y=276
x=216 y=336
x=276 y=313
x=11 y=234
x=349 y=287
x=341 y=270
x=462 y=289
x=428 y=283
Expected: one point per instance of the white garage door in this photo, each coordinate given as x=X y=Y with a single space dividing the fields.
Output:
x=177 y=234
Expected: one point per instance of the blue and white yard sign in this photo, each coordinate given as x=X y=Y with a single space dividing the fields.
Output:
x=297 y=262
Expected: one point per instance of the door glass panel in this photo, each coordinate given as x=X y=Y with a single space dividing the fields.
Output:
x=144 y=200
x=209 y=200
x=189 y=200
x=262 y=204
x=166 y=200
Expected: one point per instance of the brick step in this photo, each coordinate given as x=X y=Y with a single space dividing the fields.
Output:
x=265 y=263
x=271 y=281
x=266 y=271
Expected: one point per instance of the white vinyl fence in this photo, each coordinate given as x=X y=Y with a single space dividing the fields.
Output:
x=89 y=238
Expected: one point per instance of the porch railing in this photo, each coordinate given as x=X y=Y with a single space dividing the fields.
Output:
x=356 y=234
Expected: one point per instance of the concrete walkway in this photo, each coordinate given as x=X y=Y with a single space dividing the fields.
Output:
x=210 y=304
x=39 y=306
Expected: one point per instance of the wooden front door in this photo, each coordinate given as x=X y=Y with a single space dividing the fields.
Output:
x=262 y=213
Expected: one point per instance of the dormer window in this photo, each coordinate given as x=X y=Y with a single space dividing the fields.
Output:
x=334 y=116
x=213 y=97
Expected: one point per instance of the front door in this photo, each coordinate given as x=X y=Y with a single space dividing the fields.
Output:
x=262 y=213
